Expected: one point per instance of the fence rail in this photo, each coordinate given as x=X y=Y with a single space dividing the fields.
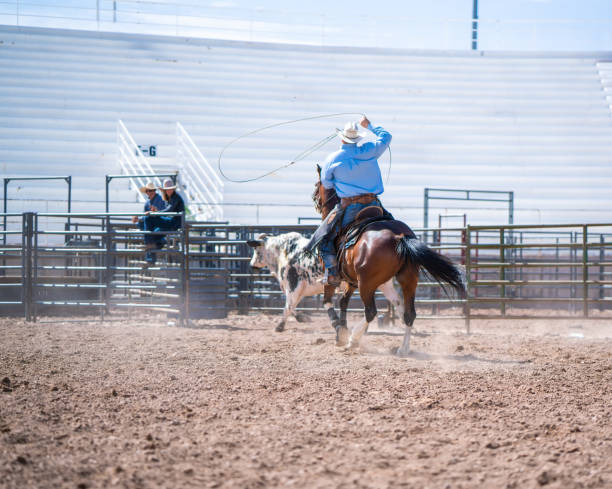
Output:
x=94 y=262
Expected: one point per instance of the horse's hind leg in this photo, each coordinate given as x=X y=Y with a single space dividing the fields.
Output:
x=408 y=278
x=367 y=296
x=344 y=302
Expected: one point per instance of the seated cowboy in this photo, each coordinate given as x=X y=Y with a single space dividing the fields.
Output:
x=173 y=202
x=354 y=173
x=153 y=204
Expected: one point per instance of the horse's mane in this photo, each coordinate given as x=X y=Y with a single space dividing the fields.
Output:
x=316 y=197
x=331 y=198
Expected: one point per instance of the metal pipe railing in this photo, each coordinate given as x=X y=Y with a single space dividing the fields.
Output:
x=7 y=180
x=544 y=274
x=151 y=174
x=131 y=160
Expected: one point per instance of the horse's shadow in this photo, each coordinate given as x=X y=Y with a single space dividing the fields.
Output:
x=226 y=327
x=397 y=333
x=468 y=357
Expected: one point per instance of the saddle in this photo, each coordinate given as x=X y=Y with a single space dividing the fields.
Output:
x=374 y=218
x=348 y=236
x=368 y=215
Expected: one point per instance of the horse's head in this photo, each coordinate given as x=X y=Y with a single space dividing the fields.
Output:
x=324 y=199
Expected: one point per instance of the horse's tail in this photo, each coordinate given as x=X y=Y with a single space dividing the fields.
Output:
x=417 y=253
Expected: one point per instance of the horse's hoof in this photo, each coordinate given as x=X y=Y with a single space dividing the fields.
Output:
x=302 y=318
x=351 y=349
x=280 y=328
x=342 y=335
x=385 y=320
x=336 y=323
x=402 y=353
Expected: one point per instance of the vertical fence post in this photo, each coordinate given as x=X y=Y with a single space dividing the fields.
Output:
x=69 y=182
x=425 y=212
x=585 y=273
x=502 y=271
x=468 y=277
x=557 y=268
x=6 y=182
x=521 y=270
x=24 y=265
x=602 y=242
x=33 y=289
x=106 y=198
x=108 y=263
x=245 y=301
x=185 y=271
x=101 y=275
x=572 y=272
x=26 y=241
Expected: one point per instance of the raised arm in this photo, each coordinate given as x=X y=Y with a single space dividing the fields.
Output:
x=374 y=149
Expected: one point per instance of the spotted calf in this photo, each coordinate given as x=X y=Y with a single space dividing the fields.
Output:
x=299 y=274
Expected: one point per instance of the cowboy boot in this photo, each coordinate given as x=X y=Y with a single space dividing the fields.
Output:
x=331 y=277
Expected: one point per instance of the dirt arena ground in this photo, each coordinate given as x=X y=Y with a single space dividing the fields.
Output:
x=231 y=403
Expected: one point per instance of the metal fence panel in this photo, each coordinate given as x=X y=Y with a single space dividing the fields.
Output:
x=94 y=263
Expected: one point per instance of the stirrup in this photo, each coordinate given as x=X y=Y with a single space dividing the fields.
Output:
x=331 y=278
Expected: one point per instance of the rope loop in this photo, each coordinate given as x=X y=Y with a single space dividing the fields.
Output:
x=308 y=151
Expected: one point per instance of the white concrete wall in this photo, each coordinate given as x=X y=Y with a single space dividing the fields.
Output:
x=536 y=124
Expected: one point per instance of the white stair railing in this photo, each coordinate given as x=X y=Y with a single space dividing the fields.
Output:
x=132 y=161
x=198 y=179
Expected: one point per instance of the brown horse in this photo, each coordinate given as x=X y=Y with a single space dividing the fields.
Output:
x=385 y=250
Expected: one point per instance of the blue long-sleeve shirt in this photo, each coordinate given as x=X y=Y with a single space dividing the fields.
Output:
x=156 y=201
x=353 y=169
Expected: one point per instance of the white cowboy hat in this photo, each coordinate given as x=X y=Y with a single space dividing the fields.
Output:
x=168 y=185
x=148 y=186
x=350 y=134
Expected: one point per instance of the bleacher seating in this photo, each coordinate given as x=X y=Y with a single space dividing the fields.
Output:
x=535 y=123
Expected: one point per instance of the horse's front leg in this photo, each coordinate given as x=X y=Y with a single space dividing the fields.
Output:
x=342 y=333
x=328 y=294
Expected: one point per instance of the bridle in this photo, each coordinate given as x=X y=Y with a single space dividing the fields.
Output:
x=319 y=204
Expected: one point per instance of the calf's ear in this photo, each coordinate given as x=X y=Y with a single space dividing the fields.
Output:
x=254 y=243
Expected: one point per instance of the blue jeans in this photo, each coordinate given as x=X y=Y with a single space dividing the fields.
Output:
x=327 y=247
x=152 y=224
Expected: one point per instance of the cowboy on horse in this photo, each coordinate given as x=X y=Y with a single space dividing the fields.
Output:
x=353 y=172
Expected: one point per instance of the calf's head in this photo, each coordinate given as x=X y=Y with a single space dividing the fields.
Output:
x=258 y=260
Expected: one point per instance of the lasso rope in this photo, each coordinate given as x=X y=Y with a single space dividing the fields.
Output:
x=299 y=157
